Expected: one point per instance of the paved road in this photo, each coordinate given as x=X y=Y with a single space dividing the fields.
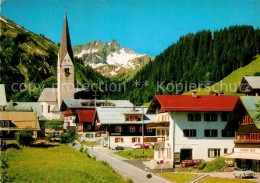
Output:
x=124 y=169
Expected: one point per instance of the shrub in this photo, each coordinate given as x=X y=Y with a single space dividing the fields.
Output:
x=202 y=165
x=81 y=148
x=129 y=180
x=214 y=165
x=25 y=137
x=69 y=136
x=3 y=167
x=49 y=137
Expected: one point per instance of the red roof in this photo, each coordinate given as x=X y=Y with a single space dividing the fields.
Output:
x=200 y=103
x=86 y=116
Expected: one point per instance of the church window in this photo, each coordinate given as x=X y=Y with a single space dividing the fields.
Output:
x=67 y=72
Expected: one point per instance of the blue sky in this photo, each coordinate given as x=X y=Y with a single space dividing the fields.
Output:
x=145 y=26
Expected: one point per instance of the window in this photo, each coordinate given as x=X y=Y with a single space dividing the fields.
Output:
x=189 y=133
x=211 y=133
x=88 y=127
x=4 y=123
x=118 y=129
x=228 y=133
x=134 y=139
x=149 y=130
x=49 y=108
x=1 y=133
x=132 y=129
x=210 y=117
x=141 y=129
x=67 y=72
x=119 y=140
x=225 y=150
x=194 y=117
x=224 y=116
x=127 y=118
x=212 y=153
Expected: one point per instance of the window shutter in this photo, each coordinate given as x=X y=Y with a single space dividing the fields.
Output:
x=133 y=140
x=122 y=139
x=115 y=140
x=139 y=139
x=144 y=139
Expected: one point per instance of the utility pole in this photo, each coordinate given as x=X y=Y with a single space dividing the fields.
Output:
x=143 y=126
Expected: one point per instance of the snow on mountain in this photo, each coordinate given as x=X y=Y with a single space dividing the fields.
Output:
x=110 y=58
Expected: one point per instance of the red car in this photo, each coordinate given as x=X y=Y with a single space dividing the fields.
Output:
x=194 y=162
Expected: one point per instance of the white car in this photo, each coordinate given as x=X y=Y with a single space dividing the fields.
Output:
x=137 y=146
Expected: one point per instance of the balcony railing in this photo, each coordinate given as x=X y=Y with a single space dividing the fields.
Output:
x=157 y=125
x=248 y=138
x=155 y=139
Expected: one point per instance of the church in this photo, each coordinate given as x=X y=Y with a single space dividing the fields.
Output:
x=51 y=98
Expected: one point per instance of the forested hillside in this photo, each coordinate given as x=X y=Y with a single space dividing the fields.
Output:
x=29 y=60
x=196 y=58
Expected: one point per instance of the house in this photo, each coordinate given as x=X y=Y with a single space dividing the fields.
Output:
x=123 y=125
x=192 y=127
x=12 y=122
x=250 y=85
x=247 y=143
x=81 y=114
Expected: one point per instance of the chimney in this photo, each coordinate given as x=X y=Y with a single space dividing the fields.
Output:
x=133 y=108
x=194 y=94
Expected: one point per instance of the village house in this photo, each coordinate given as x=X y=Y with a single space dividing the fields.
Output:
x=250 y=85
x=81 y=114
x=247 y=143
x=123 y=125
x=191 y=127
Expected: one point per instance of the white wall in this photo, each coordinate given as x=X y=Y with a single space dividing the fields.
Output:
x=127 y=142
x=198 y=144
x=50 y=115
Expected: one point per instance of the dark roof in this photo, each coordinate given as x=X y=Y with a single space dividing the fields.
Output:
x=65 y=45
x=199 y=103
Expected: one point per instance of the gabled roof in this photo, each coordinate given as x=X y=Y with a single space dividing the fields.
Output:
x=253 y=81
x=65 y=45
x=2 y=95
x=190 y=103
x=50 y=94
x=86 y=116
x=77 y=103
x=249 y=103
x=25 y=106
x=115 y=115
x=21 y=120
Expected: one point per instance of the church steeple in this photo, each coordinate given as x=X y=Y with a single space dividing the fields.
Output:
x=65 y=45
x=65 y=66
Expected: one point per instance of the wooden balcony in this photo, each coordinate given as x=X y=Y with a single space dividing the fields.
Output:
x=248 y=138
x=155 y=139
x=157 y=125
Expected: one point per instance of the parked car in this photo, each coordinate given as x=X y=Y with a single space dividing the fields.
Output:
x=140 y=146
x=119 y=148
x=242 y=173
x=194 y=162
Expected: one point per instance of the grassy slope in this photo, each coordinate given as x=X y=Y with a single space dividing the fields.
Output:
x=232 y=80
x=221 y=180
x=179 y=177
x=57 y=164
x=129 y=75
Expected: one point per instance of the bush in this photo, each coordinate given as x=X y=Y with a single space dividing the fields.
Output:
x=214 y=165
x=81 y=148
x=202 y=165
x=69 y=136
x=25 y=137
x=49 y=137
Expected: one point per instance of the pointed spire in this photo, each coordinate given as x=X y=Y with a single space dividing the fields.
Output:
x=65 y=45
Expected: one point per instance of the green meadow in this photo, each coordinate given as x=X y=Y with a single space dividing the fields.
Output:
x=58 y=163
